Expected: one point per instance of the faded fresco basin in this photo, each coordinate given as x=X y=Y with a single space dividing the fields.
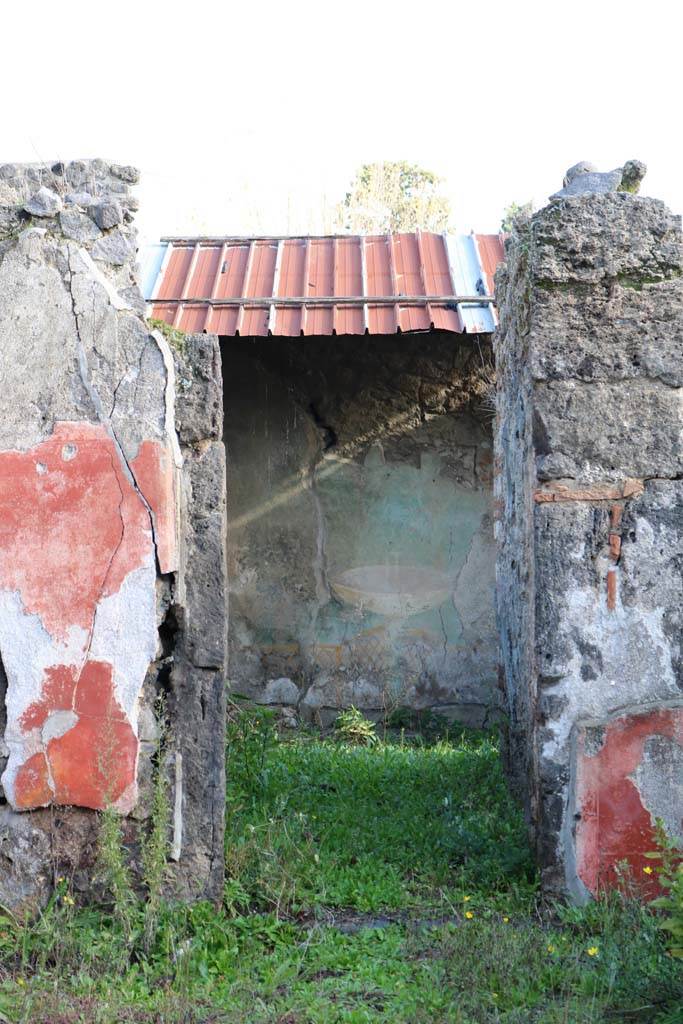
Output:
x=393 y=590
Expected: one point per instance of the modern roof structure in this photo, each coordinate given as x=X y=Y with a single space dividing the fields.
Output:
x=344 y=284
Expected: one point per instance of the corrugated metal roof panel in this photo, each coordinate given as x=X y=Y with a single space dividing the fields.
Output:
x=381 y=320
x=492 y=253
x=205 y=270
x=446 y=319
x=150 y=261
x=469 y=277
x=375 y=284
x=173 y=280
x=193 y=319
x=224 y=320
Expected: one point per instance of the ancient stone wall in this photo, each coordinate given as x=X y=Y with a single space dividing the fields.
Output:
x=589 y=505
x=360 y=547
x=197 y=684
x=361 y=536
x=98 y=610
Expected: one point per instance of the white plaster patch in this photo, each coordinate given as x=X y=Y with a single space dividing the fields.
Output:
x=57 y=724
x=125 y=634
x=27 y=651
x=659 y=780
x=32 y=744
x=636 y=658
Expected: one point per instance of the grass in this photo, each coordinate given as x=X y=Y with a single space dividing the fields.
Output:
x=390 y=826
x=365 y=883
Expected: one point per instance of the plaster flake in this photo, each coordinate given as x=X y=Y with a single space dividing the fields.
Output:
x=154 y=473
x=77 y=615
x=615 y=823
x=169 y=396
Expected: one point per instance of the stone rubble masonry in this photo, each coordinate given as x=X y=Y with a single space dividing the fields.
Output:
x=92 y=480
x=589 y=503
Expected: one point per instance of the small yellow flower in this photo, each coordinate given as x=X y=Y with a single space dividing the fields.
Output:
x=466 y=899
x=60 y=880
x=592 y=951
x=69 y=900
x=469 y=915
x=506 y=920
x=551 y=949
x=647 y=870
x=21 y=981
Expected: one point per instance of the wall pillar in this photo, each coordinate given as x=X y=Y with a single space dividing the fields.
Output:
x=94 y=618
x=589 y=502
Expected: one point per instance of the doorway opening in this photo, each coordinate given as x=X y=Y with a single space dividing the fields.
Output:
x=360 y=537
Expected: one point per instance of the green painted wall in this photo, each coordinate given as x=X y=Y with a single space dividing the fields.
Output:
x=412 y=522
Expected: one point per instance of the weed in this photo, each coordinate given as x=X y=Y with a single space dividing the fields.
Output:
x=670 y=873
x=155 y=844
x=353 y=727
x=251 y=735
x=113 y=870
x=427 y=726
x=176 y=338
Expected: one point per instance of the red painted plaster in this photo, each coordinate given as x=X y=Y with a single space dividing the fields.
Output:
x=33 y=787
x=154 y=474
x=614 y=825
x=94 y=762
x=57 y=695
x=72 y=525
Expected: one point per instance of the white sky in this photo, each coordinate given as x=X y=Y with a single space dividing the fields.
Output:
x=252 y=117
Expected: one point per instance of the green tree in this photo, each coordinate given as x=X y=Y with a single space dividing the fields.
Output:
x=512 y=212
x=394 y=196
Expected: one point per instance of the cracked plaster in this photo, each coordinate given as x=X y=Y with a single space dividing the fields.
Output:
x=89 y=454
